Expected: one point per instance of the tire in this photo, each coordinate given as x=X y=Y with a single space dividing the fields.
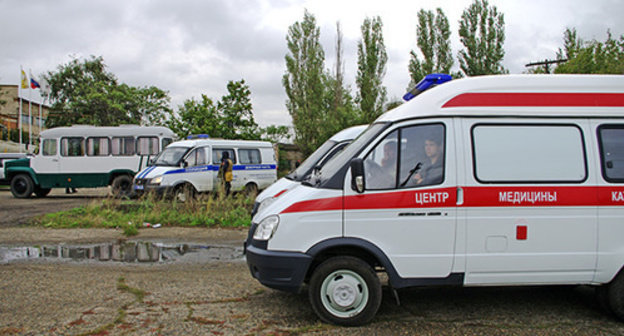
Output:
x=22 y=186
x=184 y=193
x=42 y=192
x=122 y=186
x=251 y=189
x=345 y=291
x=615 y=296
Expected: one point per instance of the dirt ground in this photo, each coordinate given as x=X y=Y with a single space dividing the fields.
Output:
x=221 y=298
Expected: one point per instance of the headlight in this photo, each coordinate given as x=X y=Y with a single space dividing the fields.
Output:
x=156 y=180
x=265 y=203
x=266 y=228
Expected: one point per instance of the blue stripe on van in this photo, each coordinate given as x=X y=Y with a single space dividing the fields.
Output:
x=216 y=168
x=146 y=171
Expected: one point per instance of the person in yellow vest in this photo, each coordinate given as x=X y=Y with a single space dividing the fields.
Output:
x=225 y=172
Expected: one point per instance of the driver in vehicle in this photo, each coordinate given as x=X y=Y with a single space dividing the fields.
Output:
x=432 y=171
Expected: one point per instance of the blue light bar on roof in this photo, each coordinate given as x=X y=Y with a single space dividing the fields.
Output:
x=198 y=136
x=426 y=83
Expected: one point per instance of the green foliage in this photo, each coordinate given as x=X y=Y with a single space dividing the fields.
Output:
x=482 y=32
x=85 y=93
x=372 y=59
x=593 y=57
x=130 y=216
x=229 y=118
x=433 y=40
x=304 y=82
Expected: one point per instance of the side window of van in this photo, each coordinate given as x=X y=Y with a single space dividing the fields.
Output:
x=99 y=146
x=49 y=147
x=218 y=152
x=72 y=146
x=611 y=139
x=415 y=153
x=527 y=153
x=249 y=156
x=147 y=145
x=197 y=157
x=123 y=146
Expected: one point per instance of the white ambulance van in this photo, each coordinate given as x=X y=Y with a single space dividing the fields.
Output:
x=483 y=181
x=188 y=167
x=316 y=160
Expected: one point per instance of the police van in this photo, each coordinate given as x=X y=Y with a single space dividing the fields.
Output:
x=482 y=181
x=191 y=166
x=316 y=160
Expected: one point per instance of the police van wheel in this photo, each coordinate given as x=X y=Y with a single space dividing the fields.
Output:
x=184 y=193
x=251 y=189
x=122 y=186
x=615 y=295
x=22 y=186
x=345 y=291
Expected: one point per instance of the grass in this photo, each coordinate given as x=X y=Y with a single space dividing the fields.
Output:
x=131 y=215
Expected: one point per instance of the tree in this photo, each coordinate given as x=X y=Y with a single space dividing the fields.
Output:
x=482 y=32
x=229 y=118
x=433 y=40
x=593 y=57
x=304 y=82
x=372 y=60
x=235 y=112
x=85 y=93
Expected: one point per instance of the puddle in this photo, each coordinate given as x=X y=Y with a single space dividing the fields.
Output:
x=128 y=252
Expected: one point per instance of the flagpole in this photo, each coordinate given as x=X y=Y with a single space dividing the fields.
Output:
x=20 y=107
x=29 y=111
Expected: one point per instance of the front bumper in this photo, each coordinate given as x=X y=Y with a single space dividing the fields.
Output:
x=284 y=271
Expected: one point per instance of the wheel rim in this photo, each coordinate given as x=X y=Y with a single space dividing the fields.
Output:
x=344 y=293
x=20 y=186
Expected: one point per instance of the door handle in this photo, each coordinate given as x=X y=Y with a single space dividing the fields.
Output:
x=460 y=196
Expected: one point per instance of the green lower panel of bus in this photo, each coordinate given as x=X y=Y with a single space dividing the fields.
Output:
x=77 y=180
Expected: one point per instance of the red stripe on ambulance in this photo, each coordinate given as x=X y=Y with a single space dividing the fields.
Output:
x=536 y=99
x=473 y=197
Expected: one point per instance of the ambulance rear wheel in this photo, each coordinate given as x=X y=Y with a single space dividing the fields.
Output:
x=345 y=291
x=22 y=186
x=615 y=295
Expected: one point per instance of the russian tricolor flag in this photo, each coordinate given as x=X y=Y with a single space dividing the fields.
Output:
x=33 y=83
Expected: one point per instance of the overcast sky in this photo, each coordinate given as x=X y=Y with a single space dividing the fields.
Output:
x=189 y=48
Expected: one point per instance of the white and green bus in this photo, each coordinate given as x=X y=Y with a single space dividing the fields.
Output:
x=87 y=157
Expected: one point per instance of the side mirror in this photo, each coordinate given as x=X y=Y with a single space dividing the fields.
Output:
x=357 y=175
x=151 y=161
x=184 y=164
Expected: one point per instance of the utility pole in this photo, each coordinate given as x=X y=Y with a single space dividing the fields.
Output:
x=546 y=63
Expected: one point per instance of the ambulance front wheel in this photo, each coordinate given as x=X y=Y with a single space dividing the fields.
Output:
x=345 y=291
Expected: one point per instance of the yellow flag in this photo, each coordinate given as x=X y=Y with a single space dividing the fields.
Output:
x=24 y=80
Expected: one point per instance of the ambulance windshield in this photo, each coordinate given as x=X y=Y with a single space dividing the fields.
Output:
x=341 y=161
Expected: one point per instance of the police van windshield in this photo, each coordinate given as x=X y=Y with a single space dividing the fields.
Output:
x=171 y=156
x=305 y=169
x=339 y=163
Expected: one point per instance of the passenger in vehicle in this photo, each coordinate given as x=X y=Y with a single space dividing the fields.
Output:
x=432 y=171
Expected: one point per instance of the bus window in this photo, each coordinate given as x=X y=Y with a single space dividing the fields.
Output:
x=73 y=146
x=147 y=145
x=123 y=146
x=99 y=146
x=166 y=142
x=49 y=147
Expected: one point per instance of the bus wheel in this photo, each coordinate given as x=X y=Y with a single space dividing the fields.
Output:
x=345 y=291
x=122 y=186
x=22 y=186
x=184 y=193
x=42 y=192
